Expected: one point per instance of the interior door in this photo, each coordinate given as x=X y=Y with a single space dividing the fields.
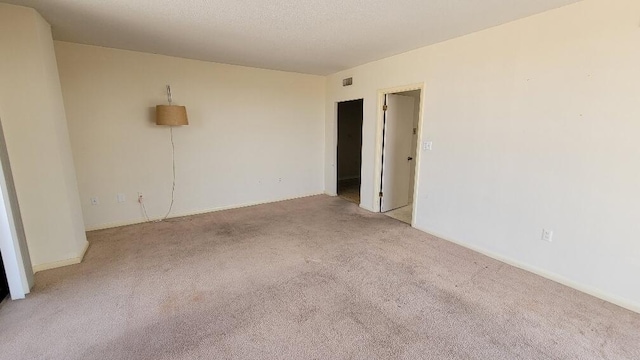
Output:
x=397 y=161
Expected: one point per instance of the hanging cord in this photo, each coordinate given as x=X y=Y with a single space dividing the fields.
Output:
x=173 y=159
x=144 y=208
x=173 y=167
x=173 y=187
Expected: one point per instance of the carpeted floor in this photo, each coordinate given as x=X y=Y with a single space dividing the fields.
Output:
x=313 y=278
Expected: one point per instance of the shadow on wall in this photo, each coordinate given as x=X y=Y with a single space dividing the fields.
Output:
x=152 y=115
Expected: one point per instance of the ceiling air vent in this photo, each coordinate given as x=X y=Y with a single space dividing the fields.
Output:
x=347 y=81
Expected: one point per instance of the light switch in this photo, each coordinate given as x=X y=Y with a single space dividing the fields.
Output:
x=427 y=145
x=121 y=198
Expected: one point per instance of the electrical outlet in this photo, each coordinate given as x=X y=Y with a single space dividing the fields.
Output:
x=547 y=235
x=121 y=198
x=95 y=201
x=427 y=145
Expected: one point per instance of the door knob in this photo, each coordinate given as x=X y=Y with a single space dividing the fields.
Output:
x=409 y=158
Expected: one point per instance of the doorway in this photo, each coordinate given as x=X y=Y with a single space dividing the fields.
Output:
x=4 y=285
x=401 y=119
x=349 y=154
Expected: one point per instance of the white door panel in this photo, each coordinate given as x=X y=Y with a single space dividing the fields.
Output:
x=397 y=163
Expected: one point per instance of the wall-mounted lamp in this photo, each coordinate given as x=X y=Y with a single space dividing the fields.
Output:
x=172 y=115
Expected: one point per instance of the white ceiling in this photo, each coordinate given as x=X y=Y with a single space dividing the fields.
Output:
x=307 y=36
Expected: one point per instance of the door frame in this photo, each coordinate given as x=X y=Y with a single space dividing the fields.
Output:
x=377 y=181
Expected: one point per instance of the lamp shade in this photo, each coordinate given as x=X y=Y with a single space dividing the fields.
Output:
x=172 y=115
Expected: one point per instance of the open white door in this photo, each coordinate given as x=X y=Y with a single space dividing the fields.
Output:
x=13 y=244
x=397 y=161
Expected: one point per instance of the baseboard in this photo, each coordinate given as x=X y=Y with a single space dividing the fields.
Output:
x=622 y=302
x=84 y=250
x=61 y=263
x=199 y=212
x=366 y=208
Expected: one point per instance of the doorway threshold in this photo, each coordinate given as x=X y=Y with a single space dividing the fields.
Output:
x=350 y=190
x=403 y=214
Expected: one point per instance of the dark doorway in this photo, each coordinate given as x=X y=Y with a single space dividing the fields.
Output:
x=349 y=163
x=4 y=286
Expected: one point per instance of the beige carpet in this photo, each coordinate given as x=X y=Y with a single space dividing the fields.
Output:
x=314 y=278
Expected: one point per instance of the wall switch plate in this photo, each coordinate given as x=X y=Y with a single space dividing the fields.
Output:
x=547 y=235
x=427 y=145
x=95 y=201
x=121 y=198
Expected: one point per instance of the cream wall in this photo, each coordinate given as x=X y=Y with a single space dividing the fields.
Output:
x=535 y=124
x=35 y=129
x=254 y=135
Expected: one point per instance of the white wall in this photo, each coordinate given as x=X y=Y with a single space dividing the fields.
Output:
x=535 y=124
x=254 y=135
x=37 y=139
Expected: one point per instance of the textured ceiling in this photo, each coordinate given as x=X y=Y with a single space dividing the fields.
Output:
x=307 y=36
